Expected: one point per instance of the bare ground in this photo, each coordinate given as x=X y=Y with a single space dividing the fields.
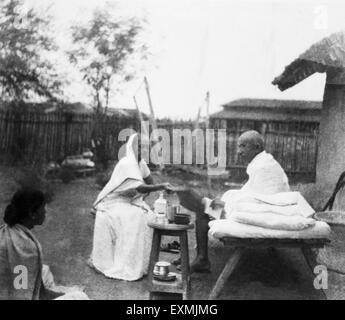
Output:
x=66 y=238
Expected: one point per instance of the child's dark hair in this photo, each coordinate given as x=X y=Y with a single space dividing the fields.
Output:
x=23 y=202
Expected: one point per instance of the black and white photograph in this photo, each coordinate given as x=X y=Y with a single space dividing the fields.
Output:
x=187 y=150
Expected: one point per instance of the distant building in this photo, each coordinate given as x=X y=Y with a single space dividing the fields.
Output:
x=290 y=128
x=124 y=112
x=268 y=114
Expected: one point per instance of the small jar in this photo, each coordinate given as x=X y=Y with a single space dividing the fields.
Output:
x=161 y=218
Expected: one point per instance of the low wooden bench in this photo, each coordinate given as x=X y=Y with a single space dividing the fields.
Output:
x=241 y=244
x=84 y=172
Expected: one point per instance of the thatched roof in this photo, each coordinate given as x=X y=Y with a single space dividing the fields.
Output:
x=325 y=55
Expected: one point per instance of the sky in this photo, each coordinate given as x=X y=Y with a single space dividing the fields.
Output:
x=233 y=49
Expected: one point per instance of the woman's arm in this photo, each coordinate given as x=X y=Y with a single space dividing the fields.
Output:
x=147 y=188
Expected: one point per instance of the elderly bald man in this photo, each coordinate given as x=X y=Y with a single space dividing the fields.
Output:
x=266 y=176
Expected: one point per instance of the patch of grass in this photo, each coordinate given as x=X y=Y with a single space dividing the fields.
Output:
x=32 y=178
x=67 y=175
x=103 y=178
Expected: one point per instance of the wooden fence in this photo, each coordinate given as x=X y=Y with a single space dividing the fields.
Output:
x=52 y=136
x=294 y=145
x=30 y=136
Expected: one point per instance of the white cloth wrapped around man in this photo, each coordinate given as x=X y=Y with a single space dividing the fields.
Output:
x=265 y=207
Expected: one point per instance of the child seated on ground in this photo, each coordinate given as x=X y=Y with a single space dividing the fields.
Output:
x=22 y=274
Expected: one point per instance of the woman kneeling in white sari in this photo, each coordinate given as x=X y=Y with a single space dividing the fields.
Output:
x=122 y=238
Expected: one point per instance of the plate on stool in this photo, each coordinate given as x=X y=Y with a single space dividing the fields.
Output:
x=170 y=277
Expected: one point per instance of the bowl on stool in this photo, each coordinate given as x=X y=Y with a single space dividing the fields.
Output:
x=182 y=218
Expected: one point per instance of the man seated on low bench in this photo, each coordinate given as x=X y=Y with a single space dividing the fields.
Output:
x=266 y=177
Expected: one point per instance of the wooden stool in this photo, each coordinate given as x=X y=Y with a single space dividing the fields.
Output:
x=182 y=283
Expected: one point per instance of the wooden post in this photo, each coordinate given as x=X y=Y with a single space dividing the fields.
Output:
x=139 y=114
x=195 y=145
x=152 y=115
x=207 y=149
x=107 y=95
x=207 y=108
x=196 y=123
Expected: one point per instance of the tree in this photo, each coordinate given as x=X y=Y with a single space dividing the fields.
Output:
x=102 y=51
x=25 y=71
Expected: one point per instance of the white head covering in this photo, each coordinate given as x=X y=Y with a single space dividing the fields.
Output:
x=127 y=168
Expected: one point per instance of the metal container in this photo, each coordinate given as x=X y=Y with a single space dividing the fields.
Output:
x=172 y=212
x=162 y=268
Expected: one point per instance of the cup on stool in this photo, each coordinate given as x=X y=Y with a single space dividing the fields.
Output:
x=162 y=268
x=172 y=212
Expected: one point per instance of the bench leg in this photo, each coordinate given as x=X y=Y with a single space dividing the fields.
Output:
x=309 y=256
x=228 y=269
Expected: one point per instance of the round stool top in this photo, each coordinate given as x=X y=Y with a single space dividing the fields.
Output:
x=170 y=226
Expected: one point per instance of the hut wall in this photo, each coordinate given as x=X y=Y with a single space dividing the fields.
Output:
x=331 y=155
